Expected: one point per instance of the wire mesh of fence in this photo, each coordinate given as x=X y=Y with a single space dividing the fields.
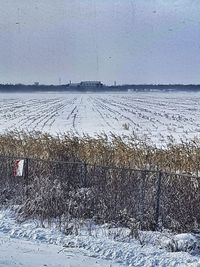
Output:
x=152 y=199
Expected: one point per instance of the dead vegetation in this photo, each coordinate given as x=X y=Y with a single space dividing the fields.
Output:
x=120 y=151
x=91 y=187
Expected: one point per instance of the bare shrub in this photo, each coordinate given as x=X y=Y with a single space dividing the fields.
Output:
x=45 y=200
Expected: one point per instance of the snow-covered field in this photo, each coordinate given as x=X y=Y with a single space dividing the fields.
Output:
x=156 y=114
x=28 y=244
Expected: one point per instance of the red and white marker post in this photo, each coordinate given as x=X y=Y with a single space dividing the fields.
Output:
x=18 y=168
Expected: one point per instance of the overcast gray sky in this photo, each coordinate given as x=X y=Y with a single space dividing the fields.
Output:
x=127 y=41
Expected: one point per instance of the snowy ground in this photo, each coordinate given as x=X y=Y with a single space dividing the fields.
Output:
x=28 y=244
x=19 y=253
x=156 y=114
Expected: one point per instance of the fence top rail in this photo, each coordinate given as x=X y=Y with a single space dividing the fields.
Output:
x=181 y=175
x=78 y=163
x=100 y=166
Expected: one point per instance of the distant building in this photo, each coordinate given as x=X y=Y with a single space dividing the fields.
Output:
x=87 y=85
x=91 y=84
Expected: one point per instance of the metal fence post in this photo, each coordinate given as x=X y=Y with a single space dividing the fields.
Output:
x=158 y=195
x=85 y=174
x=26 y=176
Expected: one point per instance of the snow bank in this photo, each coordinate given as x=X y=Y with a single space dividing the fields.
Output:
x=106 y=243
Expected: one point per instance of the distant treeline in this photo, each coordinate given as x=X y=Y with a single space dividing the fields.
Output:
x=119 y=88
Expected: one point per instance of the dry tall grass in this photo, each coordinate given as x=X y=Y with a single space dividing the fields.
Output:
x=112 y=150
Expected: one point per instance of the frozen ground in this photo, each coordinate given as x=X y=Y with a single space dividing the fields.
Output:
x=156 y=114
x=28 y=244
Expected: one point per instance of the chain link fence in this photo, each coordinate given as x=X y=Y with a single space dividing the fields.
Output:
x=152 y=199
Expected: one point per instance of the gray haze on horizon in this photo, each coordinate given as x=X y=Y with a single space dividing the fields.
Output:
x=127 y=41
